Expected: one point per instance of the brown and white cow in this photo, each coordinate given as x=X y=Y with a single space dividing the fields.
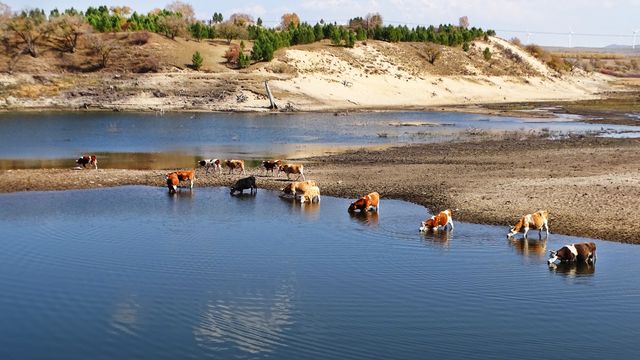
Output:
x=292 y=169
x=310 y=195
x=584 y=252
x=538 y=220
x=366 y=203
x=271 y=165
x=235 y=164
x=174 y=178
x=88 y=159
x=216 y=164
x=434 y=223
x=298 y=186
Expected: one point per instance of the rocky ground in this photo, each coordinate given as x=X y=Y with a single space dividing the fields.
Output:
x=590 y=186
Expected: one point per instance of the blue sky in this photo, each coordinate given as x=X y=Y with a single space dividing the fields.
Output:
x=549 y=22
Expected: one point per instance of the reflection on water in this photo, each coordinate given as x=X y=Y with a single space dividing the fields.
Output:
x=366 y=217
x=125 y=316
x=251 y=327
x=572 y=270
x=438 y=238
x=529 y=247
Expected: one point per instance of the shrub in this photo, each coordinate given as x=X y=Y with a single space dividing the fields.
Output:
x=140 y=37
x=196 y=60
x=151 y=64
x=487 y=54
x=432 y=53
x=243 y=60
x=232 y=54
x=465 y=46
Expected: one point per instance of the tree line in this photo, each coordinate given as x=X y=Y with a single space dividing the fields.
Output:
x=28 y=29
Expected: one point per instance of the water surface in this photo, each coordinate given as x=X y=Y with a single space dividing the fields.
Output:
x=143 y=140
x=131 y=272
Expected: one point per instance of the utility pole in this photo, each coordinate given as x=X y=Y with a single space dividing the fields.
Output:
x=528 y=38
x=635 y=33
x=570 y=38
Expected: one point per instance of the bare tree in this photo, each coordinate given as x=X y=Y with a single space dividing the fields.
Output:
x=186 y=10
x=432 y=53
x=103 y=48
x=5 y=15
x=31 y=28
x=68 y=29
x=373 y=20
x=289 y=18
x=463 y=22
x=241 y=19
x=121 y=11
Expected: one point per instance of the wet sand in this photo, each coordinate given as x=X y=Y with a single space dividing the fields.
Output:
x=590 y=186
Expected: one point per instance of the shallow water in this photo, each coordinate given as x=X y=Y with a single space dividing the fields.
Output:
x=132 y=272
x=141 y=140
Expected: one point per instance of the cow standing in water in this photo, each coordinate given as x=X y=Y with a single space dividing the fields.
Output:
x=434 y=223
x=583 y=252
x=538 y=221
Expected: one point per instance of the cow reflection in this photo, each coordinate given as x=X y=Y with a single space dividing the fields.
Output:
x=526 y=247
x=310 y=210
x=573 y=269
x=439 y=238
x=367 y=217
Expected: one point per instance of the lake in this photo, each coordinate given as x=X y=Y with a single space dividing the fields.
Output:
x=131 y=272
x=177 y=140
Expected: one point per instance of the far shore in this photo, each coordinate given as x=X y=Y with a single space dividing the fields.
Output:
x=590 y=186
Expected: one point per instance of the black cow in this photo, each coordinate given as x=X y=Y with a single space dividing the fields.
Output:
x=246 y=183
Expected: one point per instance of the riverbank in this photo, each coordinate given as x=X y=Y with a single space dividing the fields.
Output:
x=590 y=186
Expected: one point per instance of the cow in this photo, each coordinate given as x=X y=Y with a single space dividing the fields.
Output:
x=245 y=183
x=583 y=252
x=271 y=165
x=310 y=195
x=292 y=169
x=434 y=223
x=216 y=164
x=174 y=178
x=366 y=203
x=298 y=186
x=538 y=220
x=235 y=164
x=88 y=159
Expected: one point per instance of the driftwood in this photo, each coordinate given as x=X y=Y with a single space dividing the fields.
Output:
x=273 y=105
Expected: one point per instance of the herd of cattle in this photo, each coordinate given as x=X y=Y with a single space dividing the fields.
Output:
x=307 y=191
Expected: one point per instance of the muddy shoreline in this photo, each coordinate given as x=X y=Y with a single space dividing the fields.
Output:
x=590 y=186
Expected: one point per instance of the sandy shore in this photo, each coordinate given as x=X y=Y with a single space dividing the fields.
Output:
x=591 y=186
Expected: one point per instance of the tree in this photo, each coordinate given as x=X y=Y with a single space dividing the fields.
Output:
x=241 y=19
x=465 y=46
x=68 y=29
x=289 y=19
x=229 y=30
x=5 y=15
x=182 y=8
x=432 y=53
x=172 y=25
x=373 y=20
x=31 y=28
x=217 y=18
x=196 y=60
x=463 y=22
x=487 y=54
x=122 y=11
x=103 y=48
x=259 y=22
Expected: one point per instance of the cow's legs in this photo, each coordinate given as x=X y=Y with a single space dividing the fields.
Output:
x=526 y=230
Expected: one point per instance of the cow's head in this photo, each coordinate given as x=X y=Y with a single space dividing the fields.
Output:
x=553 y=256
x=423 y=226
x=359 y=204
x=512 y=231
